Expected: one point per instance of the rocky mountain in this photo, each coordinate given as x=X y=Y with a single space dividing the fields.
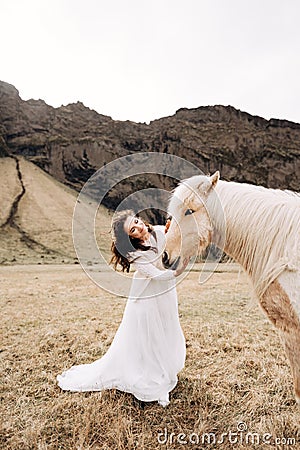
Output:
x=73 y=141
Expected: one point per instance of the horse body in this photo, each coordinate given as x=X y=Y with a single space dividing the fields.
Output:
x=259 y=228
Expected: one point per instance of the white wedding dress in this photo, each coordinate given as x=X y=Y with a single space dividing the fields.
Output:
x=148 y=349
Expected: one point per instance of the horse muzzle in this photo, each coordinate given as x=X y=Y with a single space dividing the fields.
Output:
x=170 y=264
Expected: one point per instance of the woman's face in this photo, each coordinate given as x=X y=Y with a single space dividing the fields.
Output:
x=135 y=227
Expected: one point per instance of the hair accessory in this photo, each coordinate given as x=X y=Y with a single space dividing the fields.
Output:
x=167 y=226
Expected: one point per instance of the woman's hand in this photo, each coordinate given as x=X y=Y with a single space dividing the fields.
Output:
x=182 y=269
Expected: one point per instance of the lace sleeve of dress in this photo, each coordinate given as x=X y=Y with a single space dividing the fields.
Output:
x=150 y=271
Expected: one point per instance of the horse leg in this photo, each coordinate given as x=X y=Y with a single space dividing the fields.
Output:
x=291 y=344
x=278 y=307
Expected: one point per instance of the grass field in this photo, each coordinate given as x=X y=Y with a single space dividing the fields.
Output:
x=236 y=379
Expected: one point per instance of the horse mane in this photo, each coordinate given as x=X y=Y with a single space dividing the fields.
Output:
x=262 y=230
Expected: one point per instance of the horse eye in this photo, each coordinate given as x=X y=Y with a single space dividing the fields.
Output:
x=188 y=212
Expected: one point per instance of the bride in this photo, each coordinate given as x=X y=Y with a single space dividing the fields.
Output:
x=148 y=349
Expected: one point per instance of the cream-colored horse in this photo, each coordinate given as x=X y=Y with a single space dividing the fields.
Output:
x=259 y=228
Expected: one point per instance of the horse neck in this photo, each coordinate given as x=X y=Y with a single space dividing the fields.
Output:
x=229 y=231
x=261 y=229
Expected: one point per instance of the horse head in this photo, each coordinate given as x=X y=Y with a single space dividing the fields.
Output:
x=190 y=230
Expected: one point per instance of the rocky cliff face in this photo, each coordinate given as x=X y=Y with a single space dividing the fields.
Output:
x=73 y=141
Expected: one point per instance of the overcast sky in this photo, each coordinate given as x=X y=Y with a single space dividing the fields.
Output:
x=141 y=60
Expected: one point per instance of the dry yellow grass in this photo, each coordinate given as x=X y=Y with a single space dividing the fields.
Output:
x=236 y=370
x=42 y=231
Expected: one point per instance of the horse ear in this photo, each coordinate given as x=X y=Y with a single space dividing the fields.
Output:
x=205 y=184
x=214 y=178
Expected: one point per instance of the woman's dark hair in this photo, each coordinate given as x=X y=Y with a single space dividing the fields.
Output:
x=123 y=243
